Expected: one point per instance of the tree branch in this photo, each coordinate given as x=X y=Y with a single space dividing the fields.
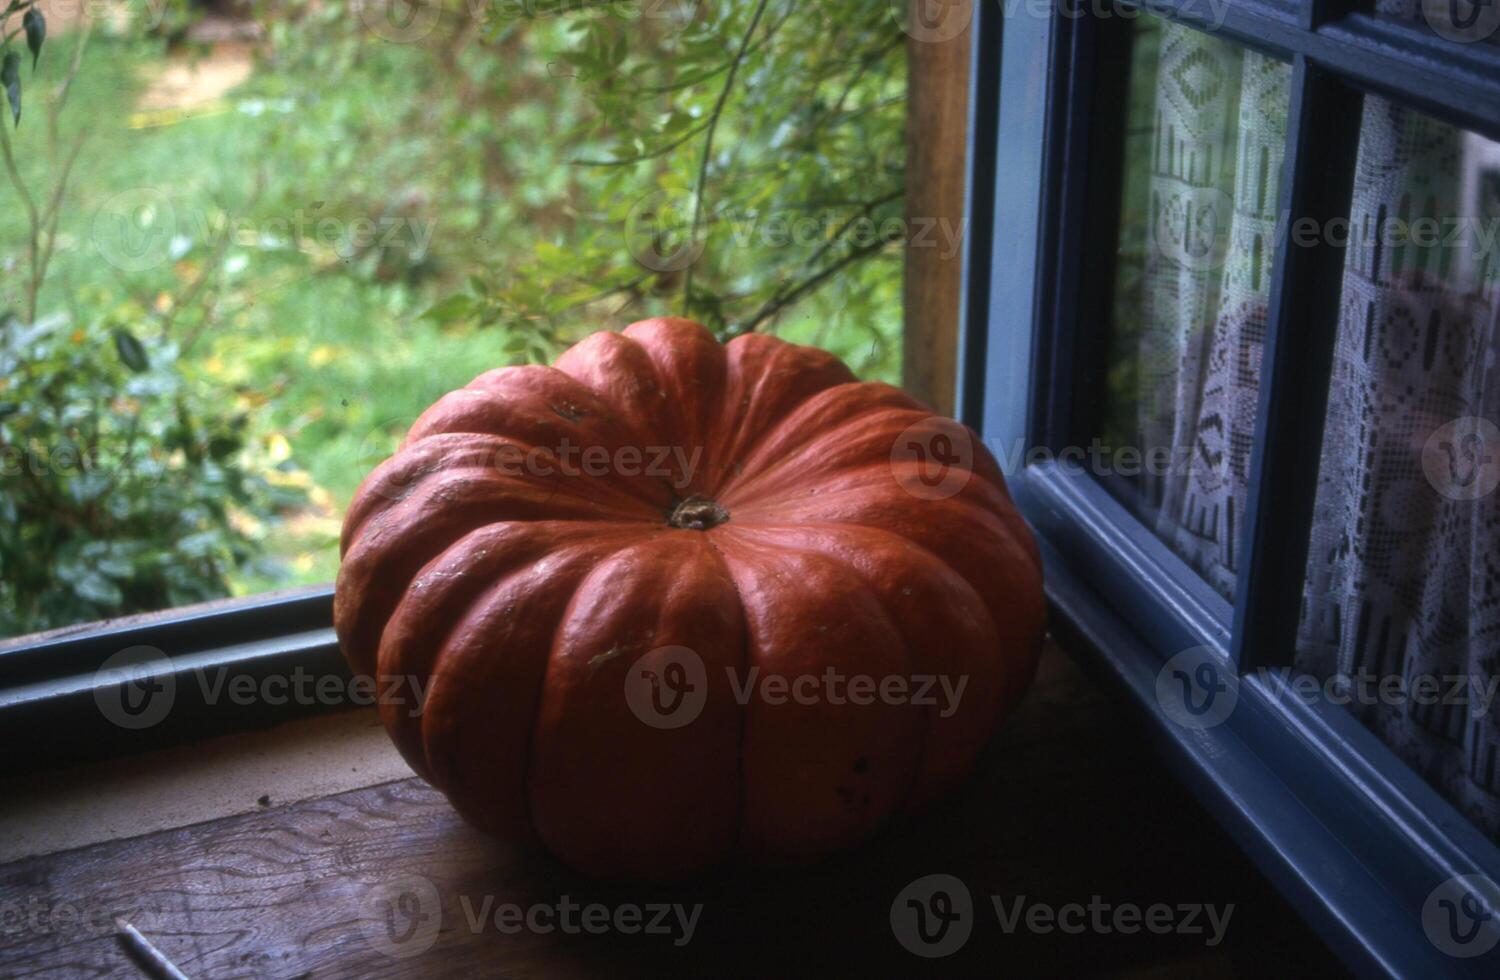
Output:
x=708 y=147
x=786 y=297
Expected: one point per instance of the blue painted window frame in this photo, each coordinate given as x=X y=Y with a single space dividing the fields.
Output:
x=1353 y=837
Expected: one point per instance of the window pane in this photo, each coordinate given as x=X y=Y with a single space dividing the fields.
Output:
x=235 y=269
x=1204 y=136
x=1402 y=609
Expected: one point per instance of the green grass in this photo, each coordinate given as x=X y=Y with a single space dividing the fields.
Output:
x=326 y=352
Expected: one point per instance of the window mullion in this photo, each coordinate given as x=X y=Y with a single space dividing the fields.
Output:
x=1318 y=172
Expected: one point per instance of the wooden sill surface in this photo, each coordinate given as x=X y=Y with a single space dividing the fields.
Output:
x=1066 y=805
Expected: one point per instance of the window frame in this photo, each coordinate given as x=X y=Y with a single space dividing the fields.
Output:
x=1352 y=836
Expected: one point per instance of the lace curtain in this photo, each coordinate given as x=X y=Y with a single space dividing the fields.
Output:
x=1404 y=563
x=1218 y=138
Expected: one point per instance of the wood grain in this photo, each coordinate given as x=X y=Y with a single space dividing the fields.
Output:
x=936 y=138
x=1067 y=805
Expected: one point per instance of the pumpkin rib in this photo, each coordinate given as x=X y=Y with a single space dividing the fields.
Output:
x=851 y=404
x=817 y=775
x=501 y=809
x=664 y=590
x=691 y=370
x=532 y=418
x=767 y=379
x=441 y=593
x=395 y=543
x=400 y=476
x=977 y=525
x=989 y=647
x=883 y=600
x=743 y=666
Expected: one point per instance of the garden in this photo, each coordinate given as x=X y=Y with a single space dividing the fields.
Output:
x=243 y=247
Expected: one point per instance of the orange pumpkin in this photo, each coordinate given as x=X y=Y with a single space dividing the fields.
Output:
x=672 y=602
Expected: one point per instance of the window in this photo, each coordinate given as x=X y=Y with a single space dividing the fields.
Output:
x=243 y=246
x=1247 y=402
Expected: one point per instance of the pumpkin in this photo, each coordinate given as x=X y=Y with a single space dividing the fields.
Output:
x=670 y=602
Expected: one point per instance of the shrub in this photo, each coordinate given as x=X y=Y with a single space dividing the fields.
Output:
x=126 y=485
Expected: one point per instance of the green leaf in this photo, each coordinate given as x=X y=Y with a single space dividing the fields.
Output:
x=10 y=78
x=455 y=307
x=96 y=588
x=131 y=351
x=36 y=33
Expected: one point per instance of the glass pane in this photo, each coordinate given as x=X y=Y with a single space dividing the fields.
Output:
x=1204 y=136
x=259 y=239
x=1402 y=608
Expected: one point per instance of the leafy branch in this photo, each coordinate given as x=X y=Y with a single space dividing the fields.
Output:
x=708 y=147
x=43 y=211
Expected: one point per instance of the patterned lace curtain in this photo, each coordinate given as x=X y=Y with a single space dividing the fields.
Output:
x=1404 y=566
x=1219 y=134
x=1404 y=562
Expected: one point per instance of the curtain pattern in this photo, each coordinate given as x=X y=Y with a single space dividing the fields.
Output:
x=1403 y=579
x=1404 y=574
x=1219 y=132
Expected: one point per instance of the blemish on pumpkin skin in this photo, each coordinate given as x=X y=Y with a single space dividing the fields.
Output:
x=596 y=661
x=567 y=411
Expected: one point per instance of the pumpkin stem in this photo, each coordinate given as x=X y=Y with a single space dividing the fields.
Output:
x=697 y=514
